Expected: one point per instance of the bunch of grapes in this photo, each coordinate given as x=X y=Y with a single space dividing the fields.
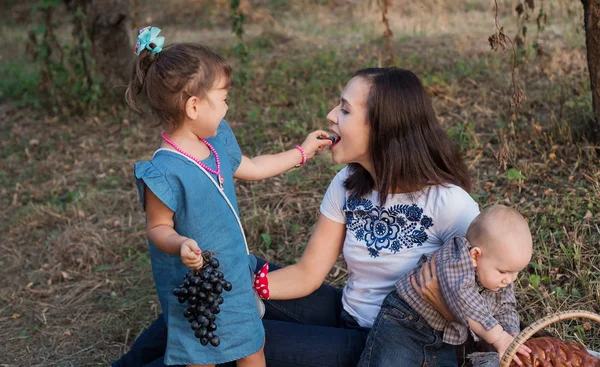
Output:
x=202 y=289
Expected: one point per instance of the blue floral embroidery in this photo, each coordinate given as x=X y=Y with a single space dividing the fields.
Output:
x=360 y=234
x=393 y=228
x=373 y=252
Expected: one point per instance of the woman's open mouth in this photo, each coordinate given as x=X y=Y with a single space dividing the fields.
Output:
x=334 y=139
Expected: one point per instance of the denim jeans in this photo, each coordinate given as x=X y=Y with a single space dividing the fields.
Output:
x=400 y=337
x=310 y=331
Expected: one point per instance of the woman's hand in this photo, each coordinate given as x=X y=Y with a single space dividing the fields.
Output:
x=312 y=144
x=190 y=253
x=428 y=287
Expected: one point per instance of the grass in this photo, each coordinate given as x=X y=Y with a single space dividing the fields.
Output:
x=76 y=287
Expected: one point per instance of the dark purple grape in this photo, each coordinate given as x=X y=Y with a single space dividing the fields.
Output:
x=215 y=341
x=196 y=280
x=202 y=320
x=202 y=289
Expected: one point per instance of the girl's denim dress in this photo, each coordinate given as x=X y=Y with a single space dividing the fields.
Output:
x=209 y=215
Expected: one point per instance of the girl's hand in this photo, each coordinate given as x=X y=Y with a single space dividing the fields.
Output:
x=312 y=145
x=428 y=287
x=190 y=253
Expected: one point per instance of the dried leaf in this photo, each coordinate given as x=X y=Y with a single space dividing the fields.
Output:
x=530 y=4
x=520 y=9
x=517 y=98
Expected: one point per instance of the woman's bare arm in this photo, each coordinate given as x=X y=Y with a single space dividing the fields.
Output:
x=321 y=252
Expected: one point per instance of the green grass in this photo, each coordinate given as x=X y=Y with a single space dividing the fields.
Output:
x=19 y=82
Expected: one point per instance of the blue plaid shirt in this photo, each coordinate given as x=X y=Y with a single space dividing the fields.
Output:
x=463 y=294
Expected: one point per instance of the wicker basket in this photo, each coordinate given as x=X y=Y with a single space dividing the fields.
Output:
x=526 y=333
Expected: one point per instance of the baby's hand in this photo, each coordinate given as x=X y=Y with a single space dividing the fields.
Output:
x=190 y=253
x=504 y=342
x=312 y=144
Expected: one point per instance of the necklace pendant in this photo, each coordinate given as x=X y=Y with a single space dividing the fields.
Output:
x=221 y=181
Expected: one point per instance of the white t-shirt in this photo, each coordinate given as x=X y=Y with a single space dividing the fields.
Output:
x=383 y=243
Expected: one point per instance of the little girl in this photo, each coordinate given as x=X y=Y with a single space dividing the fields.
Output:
x=188 y=193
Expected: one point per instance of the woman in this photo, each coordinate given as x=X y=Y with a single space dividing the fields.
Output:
x=387 y=133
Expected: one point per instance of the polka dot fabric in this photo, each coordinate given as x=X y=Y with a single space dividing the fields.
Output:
x=261 y=282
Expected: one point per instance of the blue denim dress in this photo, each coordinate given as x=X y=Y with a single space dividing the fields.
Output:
x=210 y=216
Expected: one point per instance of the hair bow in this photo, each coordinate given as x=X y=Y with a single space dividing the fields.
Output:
x=146 y=37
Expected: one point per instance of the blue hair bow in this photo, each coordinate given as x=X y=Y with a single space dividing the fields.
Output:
x=146 y=37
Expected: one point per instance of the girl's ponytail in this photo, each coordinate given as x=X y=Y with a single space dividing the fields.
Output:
x=147 y=47
x=139 y=70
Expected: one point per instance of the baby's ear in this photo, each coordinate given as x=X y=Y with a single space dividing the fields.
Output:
x=475 y=253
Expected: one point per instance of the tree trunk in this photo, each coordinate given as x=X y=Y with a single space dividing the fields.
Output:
x=108 y=29
x=591 y=11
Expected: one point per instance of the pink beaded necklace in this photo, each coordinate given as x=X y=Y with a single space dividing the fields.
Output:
x=210 y=147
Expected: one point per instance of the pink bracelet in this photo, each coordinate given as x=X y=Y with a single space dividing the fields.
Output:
x=303 y=154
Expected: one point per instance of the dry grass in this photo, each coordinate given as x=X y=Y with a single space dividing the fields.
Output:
x=76 y=287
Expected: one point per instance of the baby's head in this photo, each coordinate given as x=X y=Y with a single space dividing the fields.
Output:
x=501 y=246
x=181 y=82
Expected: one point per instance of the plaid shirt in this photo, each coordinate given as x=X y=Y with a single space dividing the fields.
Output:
x=463 y=294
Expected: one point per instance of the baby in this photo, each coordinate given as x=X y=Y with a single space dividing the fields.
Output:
x=475 y=275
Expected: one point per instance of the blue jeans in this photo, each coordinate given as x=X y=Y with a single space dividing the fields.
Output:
x=310 y=331
x=400 y=337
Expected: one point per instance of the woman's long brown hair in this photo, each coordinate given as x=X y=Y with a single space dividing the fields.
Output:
x=409 y=148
